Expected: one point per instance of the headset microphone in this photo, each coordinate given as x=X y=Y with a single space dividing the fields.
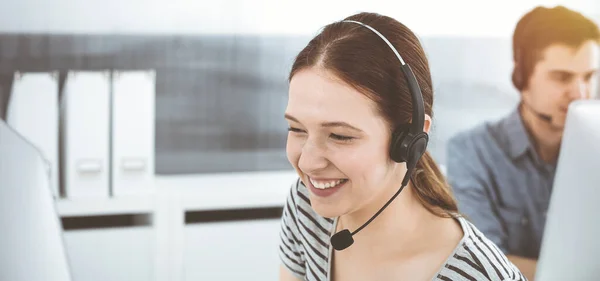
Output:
x=545 y=117
x=344 y=239
x=408 y=143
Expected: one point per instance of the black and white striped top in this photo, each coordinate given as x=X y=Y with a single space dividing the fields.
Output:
x=305 y=250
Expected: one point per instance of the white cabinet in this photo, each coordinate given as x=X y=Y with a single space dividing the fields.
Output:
x=116 y=254
x=231 y=251
x=168 y=249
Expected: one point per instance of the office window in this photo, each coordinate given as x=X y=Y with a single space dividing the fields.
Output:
x=225 y=112
x=220 y=99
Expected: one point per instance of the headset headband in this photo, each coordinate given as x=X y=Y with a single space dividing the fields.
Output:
x=418 y=112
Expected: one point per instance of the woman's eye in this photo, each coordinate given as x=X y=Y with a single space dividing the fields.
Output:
x=295 y=130
x=341 y=138
x=333 y=136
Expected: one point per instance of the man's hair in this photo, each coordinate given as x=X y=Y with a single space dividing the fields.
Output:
x=542 y=27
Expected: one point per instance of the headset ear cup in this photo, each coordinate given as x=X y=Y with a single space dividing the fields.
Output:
x=517 y=78
x=416 y=149
x=396 y=151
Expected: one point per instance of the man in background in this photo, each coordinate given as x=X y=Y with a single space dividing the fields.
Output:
x=502 y=172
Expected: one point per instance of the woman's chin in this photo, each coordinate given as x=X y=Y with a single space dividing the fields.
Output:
x=327 y=210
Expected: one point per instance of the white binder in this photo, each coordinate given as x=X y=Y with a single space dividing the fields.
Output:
x=33 y=112
x=133 y=131
x=86 y=117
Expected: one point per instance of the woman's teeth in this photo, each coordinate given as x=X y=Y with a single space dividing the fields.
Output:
x=326 y=184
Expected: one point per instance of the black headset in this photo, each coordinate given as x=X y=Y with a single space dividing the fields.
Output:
x=518 y=77
x=408 y=143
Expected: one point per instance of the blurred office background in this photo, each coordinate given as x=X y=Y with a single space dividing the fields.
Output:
x=210 y=87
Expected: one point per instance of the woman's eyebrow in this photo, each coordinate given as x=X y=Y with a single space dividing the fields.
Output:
x=327 y=124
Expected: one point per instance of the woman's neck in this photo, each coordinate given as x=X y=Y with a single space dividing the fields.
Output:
x=399 y=227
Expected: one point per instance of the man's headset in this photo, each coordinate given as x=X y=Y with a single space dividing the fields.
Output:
x=408 y=144
x=518 y=72
x=520 y=81
x=520 y=75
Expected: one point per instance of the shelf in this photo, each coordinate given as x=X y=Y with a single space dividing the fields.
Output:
x=138 y=204
x=229 y=190
x=195 y=192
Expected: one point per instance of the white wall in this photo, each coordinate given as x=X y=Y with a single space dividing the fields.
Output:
x=433 y=17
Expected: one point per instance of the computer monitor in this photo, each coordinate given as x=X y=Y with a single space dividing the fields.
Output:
x=31 y=241
x=571 y=244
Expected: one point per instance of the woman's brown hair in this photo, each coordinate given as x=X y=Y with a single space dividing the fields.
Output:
x=364 y=61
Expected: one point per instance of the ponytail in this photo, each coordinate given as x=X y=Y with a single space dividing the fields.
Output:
x=432 y=189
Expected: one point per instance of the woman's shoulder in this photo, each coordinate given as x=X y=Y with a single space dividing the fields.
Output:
x=304 y=235
x=304 y=218
x=298 y=201
x=478 y=258
x=296 y=193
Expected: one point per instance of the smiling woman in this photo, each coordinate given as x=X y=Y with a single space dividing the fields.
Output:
x=322 y=153
x=349 y=107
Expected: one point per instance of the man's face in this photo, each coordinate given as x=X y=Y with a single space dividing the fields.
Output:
x=562 y=75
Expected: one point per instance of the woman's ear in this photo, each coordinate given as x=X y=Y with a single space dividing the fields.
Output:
x=427 y=124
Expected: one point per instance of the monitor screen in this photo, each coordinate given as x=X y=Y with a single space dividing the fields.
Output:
x=31 y=240
x=570 y=245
